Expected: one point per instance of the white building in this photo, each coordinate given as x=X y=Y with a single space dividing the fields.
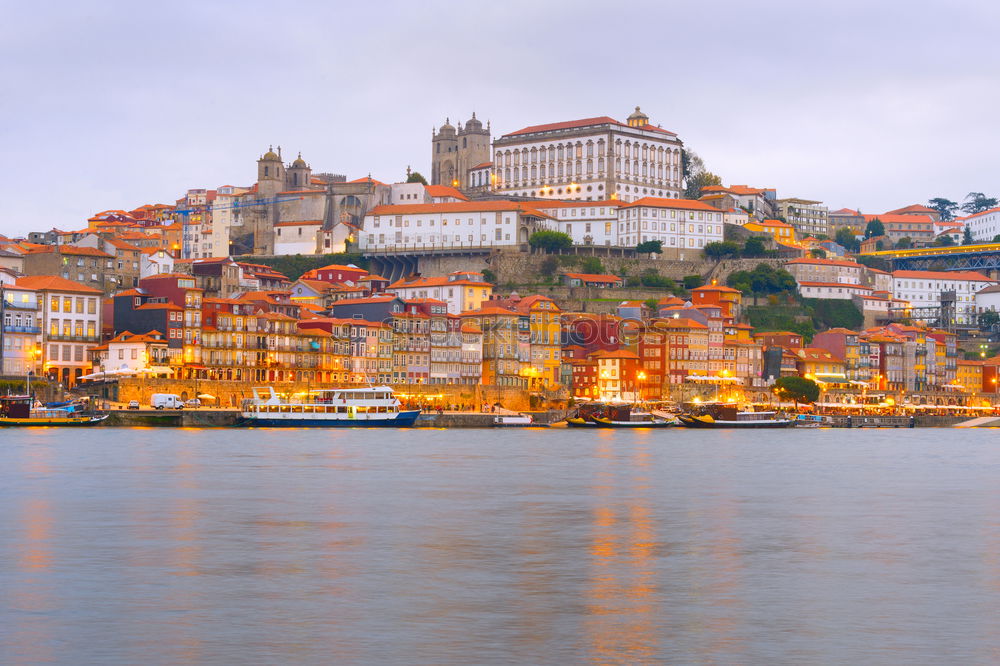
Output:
x=815 y=269
x=155 y=261
x=923 y=290
x=590 y=159
x=461 y=291
x=70 y=324
x=587 y=222
x=21 y=350
x=983 y=226
x=683 y=226
x=833 y=290
x=131 y=354
x=467 y=224
x=297 y=237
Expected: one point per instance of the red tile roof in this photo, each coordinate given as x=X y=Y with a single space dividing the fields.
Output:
x=444 y=191
x=943 y=275
x=658 y=202
x=54 y=283
x=457 y=207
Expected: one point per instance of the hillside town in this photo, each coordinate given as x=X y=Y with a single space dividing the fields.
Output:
x=587 y=260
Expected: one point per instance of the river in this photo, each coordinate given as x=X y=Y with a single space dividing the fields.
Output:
x=187 y=546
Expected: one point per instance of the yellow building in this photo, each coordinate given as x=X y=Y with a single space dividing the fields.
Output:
x=545 y=336
x=780 y=231
x=970 y=375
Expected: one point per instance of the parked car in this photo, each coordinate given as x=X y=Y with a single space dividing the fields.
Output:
x=194 y=403
x=133 y=404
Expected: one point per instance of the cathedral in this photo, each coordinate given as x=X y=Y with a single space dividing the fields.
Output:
x=454 y=152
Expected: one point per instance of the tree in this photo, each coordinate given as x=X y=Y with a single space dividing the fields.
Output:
x=753 y=247
x=550 y=241
x=591 y=266
x=996 y=239
x=875 y=228
x=946 y=208
x=489 y=276
x=977 y=202
x=904 y=243
x=696 y=176
x=988 y=320
x=698 y=182
x=650 y=247
x=797 y=389
x=415 y=177
x=966 y=236
x=879 y=246
x=693 y=281
x=944 y=241
x=762 y=281
x=846 y=238
x=719 y=250
x=817 y=253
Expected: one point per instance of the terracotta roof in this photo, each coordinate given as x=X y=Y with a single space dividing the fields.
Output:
x=439 y=281
x=489 y=310
x=682 y=322
x=364 y=301
x=584 y=122
x=366 y=179
x=69 y=249
x=684 y=204
x=54 y=283
x=457 y=207
x=914 y=208
x=589 y=277
x=577 y=204
x=942 y=275
x=304 y=223
x=617 y=353
x=716 y=287
x=483 y=165
x=444 y=191
x=889 y=218
x=826 y=262
x=834 y=284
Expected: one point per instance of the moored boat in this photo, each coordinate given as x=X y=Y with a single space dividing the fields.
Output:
x=21 y=410
x=512 y=421
x=370 y=407
x=730 y=416
x=596 y=415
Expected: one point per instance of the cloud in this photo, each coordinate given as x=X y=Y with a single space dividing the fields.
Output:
x=115 y=104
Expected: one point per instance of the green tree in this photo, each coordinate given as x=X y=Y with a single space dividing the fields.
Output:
x=650 y=247
x=415 y=177
x=797 y=389
x=591 y=266
x=977 y=202
x=550 y=241
x=996 y=239
x=904 y=243
x=944 y=241
x=988 y=320
x=489 y=276
x=846 y=238
x=879 y=246
x=698 y=182
x=651 y=303
x=966 y=236
x=719 y=250
x=946 y=208
x=693 y=281
x=753 y=247
x=818 y=253
x=875 y=228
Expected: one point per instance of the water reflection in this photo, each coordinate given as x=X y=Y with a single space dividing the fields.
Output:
x=510 y=547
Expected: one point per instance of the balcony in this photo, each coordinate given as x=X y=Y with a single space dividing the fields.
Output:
x=22 y=329
x=73 y=338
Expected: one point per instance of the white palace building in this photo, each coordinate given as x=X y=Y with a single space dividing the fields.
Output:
x=590 y=160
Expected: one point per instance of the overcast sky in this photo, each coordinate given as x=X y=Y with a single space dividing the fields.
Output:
x=872 y=105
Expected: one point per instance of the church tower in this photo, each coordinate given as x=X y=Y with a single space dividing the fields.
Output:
x=299 y=175
x=444 y=152
x=270 y=173
x=454 y=152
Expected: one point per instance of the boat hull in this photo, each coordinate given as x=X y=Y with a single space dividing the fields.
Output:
x=401 y=420
x=58 y=422
x=604 y=423
x=695 y=423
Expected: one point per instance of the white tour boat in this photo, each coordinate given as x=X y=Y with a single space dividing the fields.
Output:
x=370 y=407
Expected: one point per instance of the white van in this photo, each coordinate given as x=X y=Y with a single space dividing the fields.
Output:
x=166 y=401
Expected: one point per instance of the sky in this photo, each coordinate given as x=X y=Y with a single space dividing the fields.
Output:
x=869 y=105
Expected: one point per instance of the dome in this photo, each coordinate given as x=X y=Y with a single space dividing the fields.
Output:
x=271 y=155
x=474 y=123
x=447 y=128
x=299 y=163
x=638 y=118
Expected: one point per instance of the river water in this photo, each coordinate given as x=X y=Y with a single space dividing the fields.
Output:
x=125 y=546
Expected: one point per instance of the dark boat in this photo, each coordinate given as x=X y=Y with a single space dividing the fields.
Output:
x=729 y=416
x=597 y=415
x=17 y=411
